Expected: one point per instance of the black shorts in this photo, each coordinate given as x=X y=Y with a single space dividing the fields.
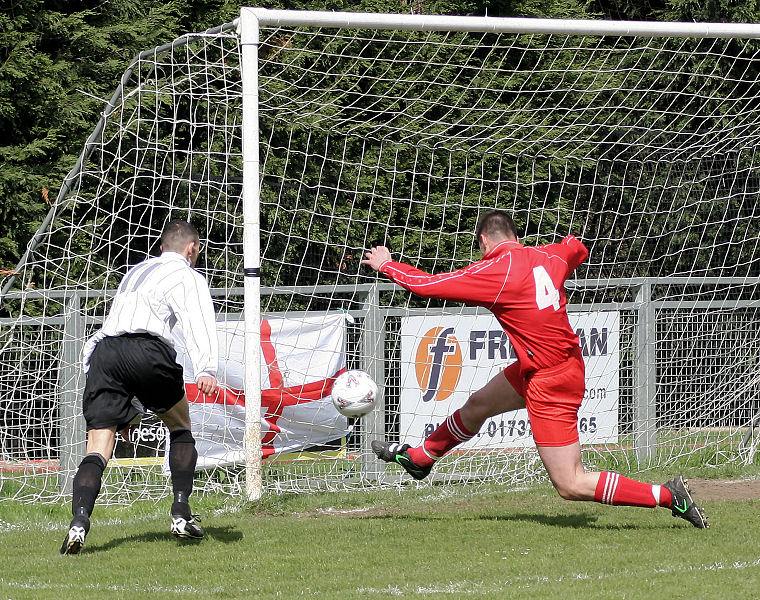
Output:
x=134 y=365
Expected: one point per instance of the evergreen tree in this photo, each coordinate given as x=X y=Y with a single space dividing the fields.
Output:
x=60 y=61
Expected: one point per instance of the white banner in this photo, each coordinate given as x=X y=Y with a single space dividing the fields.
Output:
x=444 y=359
x=300 y=359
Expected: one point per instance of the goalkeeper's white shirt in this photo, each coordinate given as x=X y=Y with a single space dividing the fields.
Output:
x=157 y=296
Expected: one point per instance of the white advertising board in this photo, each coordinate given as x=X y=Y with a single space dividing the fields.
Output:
x=446 y=358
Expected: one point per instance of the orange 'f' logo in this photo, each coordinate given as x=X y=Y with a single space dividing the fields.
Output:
x=438 y=363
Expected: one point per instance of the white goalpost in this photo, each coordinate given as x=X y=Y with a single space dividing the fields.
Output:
x=296 y=140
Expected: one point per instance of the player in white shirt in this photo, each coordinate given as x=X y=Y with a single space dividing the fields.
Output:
x=131 y=366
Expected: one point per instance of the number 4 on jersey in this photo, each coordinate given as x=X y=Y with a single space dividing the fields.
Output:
x=546 y=294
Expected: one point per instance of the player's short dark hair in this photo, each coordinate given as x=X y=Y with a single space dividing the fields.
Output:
x=496 y=224
x=177 y=235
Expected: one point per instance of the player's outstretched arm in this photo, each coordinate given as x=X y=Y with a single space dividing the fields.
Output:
x=447 y=286
x=377 y=257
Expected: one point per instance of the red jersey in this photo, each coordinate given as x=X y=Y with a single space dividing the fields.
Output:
x=522 y=286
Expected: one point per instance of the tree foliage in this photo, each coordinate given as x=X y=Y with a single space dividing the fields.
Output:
x=60 y=60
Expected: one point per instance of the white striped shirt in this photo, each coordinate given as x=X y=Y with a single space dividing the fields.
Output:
x=155 y=297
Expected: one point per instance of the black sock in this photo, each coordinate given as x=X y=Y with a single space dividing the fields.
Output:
x=87 y=484
x=182 y=459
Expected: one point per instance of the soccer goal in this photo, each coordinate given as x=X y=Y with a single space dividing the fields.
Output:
x=296 y=140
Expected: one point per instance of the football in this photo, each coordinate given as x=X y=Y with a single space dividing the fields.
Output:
x=354 y=393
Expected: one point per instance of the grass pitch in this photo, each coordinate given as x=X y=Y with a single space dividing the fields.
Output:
x=415 y=542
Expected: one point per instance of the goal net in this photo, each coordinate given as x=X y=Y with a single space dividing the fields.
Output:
x=361 y=130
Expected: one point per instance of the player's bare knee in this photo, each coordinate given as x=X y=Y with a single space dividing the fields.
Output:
x=568 y=491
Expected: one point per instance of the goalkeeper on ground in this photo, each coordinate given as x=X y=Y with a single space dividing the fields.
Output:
x=524 y=288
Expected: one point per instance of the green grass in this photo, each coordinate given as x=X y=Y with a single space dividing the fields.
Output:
x=439 y=541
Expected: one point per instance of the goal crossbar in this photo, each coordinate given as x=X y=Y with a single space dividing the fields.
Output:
x=414 y=22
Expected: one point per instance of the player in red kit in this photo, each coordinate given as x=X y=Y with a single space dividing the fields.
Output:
x=524 y=288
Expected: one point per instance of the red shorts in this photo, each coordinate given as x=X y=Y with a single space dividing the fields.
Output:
x=552 y=397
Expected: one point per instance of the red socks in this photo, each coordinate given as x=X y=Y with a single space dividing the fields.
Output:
x=449 y=434
x=613 y=488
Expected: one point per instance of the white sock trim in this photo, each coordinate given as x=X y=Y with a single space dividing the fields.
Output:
x=610 y=487
x=431 y=456
x=656 y=490
x=456 y=431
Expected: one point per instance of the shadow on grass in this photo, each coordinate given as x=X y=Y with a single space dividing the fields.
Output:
x=226 y=535
x=575 y=521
